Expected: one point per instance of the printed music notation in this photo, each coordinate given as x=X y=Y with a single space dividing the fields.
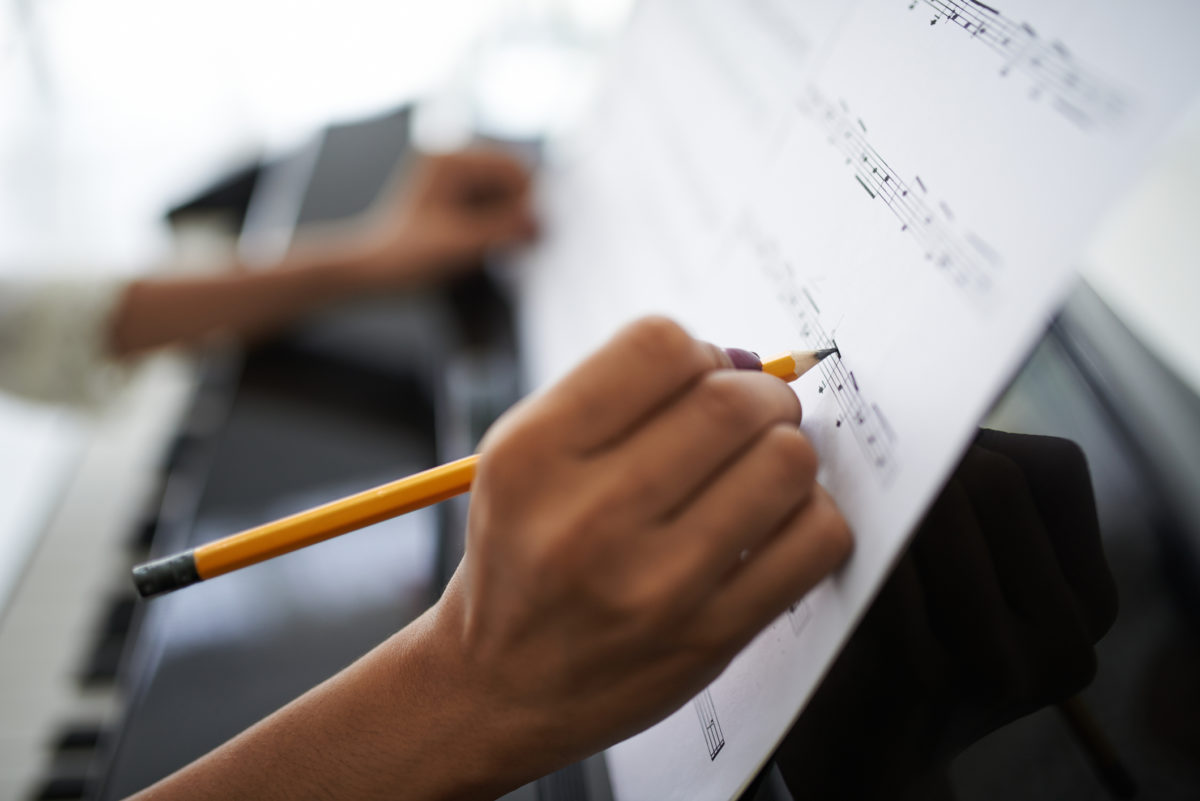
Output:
x=798 y=615
x=875 y=436
x=706 y=710
x=965 y=258
x=1077 y=92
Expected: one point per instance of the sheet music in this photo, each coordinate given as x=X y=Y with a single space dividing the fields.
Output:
x=914 y=184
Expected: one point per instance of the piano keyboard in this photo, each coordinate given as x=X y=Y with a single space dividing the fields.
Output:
x=62 y=633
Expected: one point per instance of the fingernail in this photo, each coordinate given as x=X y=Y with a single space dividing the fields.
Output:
x=743 y=359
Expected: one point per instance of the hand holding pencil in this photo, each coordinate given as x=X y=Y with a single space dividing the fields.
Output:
x=630 y=530
x=371 y=506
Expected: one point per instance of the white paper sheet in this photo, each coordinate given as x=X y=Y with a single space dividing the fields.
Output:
x=926 y=173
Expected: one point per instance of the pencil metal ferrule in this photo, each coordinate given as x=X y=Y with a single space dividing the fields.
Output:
x=166 y=574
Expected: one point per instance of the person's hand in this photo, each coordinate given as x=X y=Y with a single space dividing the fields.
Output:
x=451 y=210
x=630 y=531
x=990 y=615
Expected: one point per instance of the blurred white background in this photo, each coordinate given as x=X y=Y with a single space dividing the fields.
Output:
x=112 y=110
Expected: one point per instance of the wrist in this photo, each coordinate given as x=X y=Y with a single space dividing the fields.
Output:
x=333 y=270
x=477 y=744
x=373 y=263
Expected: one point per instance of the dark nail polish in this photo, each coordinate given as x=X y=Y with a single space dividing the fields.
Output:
x=743 y=359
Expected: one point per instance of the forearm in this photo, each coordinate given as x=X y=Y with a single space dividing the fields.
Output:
x=436 y=226
x=585 y=608
x=184 y=310
x=402 y=722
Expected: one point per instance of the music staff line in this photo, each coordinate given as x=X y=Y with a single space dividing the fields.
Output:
x=706 y=711
x=969 y=267
x=875 y=436
x=874 y=439
x=1081 y=96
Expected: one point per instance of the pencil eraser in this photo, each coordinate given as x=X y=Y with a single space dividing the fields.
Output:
x=166 y=574
x=744 y=359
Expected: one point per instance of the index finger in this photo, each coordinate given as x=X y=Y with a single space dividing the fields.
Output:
x=643 y=368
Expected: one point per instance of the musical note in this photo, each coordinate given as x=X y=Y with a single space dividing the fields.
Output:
x=1079 y=93
x=871 y=431
x=864 y=186
x=798 y=614
x=933 y=225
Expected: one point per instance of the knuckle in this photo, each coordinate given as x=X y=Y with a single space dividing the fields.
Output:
x=508 y=464
x=658 y=339
x=841 y=539
x=509 y=427
x=639 y=488
x=589 y=519
x=834 y=530
x=646 y=599
x=726 y=401
x=794 y=455
x=645 y=595
x=555 y=556
x=615 y=597
x=495 y=440
x=502 y=455
x=790 y=407
x=549 y=559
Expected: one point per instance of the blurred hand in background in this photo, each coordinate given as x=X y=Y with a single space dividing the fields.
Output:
x=449 y=211
x=443 y=218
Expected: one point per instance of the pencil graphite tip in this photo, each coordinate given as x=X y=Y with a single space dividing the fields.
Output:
x=823 y=352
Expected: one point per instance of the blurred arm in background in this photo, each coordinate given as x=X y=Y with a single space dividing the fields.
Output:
x=59 y=339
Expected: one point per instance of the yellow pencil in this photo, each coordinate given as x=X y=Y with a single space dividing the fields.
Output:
x=795 y=363
x=356 y=511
